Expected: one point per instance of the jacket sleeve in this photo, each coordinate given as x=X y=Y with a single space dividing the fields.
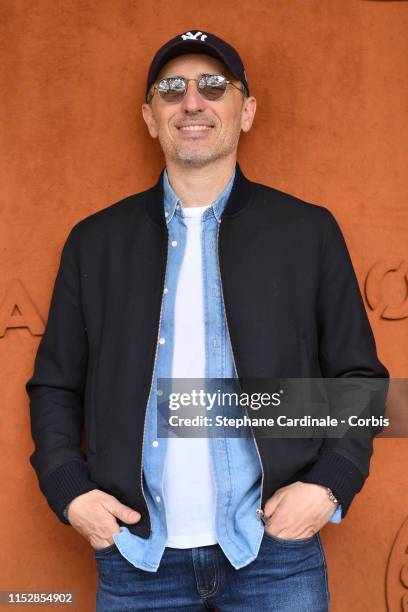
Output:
x=56 y=388
x=346 y=349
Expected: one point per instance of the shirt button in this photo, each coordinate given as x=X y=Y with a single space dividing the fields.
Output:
x=159 y=391
x=166 y=214
x=158 y=499
x=174 y=243
x=165 y=290
x=162 y=340
x=155 y=443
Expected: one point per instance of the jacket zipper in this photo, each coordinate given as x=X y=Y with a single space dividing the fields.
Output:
x=150 y=389
x=259 y=512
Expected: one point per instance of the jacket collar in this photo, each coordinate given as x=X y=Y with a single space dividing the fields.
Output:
x=239 y=198
x=171 y=200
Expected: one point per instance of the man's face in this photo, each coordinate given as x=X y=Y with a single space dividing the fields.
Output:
x=220 y=121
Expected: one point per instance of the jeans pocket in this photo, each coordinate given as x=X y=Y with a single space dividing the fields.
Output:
x=289 y=541
x=106 y=550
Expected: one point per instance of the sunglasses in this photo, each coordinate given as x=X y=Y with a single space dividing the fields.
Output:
x=210 y=87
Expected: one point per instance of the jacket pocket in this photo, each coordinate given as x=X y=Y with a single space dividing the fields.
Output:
x=312 y=388
x=89 y=408
x=303 y=355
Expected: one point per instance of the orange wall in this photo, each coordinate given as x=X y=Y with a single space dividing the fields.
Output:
x=330 y=77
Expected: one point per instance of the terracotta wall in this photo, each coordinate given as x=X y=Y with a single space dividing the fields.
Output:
x=330 y=77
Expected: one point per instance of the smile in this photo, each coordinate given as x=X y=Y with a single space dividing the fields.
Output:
x=194 y=128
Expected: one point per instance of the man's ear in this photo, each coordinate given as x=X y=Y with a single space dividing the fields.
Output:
x=248 y=113
x=149 y=119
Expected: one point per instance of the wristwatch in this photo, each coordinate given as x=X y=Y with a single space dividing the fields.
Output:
x=65 y=512
x=332 y=497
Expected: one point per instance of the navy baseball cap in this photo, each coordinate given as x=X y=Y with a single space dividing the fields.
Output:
x=196 y=41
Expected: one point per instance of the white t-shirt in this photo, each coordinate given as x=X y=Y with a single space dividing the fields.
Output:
x=188 y=486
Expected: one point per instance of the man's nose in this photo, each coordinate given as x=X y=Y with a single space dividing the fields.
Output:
x=192 y=101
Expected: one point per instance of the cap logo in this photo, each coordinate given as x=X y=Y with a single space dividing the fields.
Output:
x=196 y=36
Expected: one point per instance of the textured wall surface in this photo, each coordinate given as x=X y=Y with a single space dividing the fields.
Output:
x=330 y=77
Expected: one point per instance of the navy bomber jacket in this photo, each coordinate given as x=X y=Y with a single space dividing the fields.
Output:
x=293 y=309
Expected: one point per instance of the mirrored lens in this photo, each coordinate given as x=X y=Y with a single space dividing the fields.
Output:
x=212 y=86
x=172 y=90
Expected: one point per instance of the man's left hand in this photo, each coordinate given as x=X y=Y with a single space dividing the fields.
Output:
x=298 y=510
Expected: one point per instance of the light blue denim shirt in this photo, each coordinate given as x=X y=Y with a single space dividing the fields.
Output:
x=236 y=464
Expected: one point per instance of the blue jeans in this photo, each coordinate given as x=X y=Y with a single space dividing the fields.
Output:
x=286 y=576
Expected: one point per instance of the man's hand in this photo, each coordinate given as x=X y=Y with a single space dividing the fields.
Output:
x=93 y=514
x=298 y=510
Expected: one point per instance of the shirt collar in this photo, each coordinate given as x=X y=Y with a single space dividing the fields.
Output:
x=171 y=200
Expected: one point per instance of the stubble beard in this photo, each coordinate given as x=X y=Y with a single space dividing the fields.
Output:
x=198 y=159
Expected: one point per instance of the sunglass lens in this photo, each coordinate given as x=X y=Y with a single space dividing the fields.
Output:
x=172 y=90
x=212 y=87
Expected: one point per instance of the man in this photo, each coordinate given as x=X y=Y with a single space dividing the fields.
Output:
x=205 y=275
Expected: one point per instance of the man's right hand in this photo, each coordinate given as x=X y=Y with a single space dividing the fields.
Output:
x=93 y=514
